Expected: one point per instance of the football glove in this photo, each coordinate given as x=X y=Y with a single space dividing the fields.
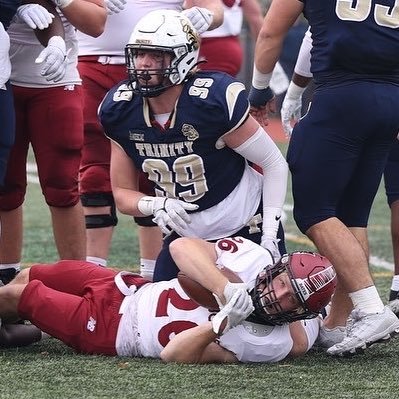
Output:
x=260 y=97
x=54 y=57
x=233 y=313
x=35 y=16
x=170 y=214
x=114 y=6
x=201 y=18
x=290 y=109
x=229 y=290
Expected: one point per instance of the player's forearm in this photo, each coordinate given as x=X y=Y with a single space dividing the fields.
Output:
x=189 y=346
x=88 y=16
x=196 y=258
x=56 y=28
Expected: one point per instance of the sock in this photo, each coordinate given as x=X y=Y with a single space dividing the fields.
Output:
x=16 y=266
x=367 y=300
x=147 y=267
x=98 y=261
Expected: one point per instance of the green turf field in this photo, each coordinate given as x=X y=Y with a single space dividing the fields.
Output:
x=51 y=370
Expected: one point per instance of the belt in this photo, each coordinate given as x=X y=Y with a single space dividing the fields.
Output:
x=104 y=59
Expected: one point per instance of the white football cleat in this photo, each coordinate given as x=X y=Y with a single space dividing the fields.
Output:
x=329 y=336
x=394 y=306
x=365 y=330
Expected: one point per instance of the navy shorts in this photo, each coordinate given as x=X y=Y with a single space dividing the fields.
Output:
x=338 y=152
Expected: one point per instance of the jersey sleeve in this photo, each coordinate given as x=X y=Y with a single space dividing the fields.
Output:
x=114 y=105
x=242 y=256
x=220 y=99
x=255 y=343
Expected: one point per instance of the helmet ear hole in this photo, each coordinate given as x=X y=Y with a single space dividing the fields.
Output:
x=166 y=31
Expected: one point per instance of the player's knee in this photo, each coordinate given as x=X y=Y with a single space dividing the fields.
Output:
x=94 y=178
x=61 y=197
x=12 y=199
x=95 y=200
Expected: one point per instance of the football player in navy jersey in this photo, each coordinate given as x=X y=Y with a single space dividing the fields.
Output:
x=192 y=134
x=338 y=151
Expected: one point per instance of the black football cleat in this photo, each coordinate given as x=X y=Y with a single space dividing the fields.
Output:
x=6 y=275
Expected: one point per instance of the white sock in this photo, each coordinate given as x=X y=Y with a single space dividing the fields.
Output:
x=97 y=261
x=16 y=266
x=147 y=267
x=367 y=300
x=395 y=283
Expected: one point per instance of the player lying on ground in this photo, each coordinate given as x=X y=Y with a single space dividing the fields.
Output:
x=102 y=311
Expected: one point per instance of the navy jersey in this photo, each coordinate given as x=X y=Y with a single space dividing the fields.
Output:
x=186 y=160
x=8 y=8
x=354 y=40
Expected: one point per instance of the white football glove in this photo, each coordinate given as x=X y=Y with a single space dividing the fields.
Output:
x=291 y=107
x=114 y=6
x=229 y=290
x=35 y=16
x=290 y=110
x=235 y=311
x=170 y=214
x=200 y=17
x=54 y=57
x=271 y=244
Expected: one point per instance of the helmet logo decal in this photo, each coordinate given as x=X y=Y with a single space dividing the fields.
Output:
x=192 y=36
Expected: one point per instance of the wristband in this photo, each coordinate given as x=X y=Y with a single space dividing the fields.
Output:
x=294 y=91
x=260 y=80
x=146 y=205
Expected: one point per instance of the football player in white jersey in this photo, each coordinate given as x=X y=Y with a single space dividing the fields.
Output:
x=101 y=66
x=48 y=106
x=271 y=314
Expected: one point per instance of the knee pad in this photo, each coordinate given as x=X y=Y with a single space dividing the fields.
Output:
x=145 y=221
x=99 y=200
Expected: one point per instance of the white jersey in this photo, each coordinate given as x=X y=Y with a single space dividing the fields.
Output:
x=232 y=22
x=119 y=27
x=25 y=48
x=158 y=311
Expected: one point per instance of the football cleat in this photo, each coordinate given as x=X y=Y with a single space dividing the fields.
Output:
x=365 y=330
x=393 y=303
x=329 y=336
x=6 y=275
x=394 y=306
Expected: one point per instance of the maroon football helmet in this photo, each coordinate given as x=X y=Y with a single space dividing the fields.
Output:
x=313 y=280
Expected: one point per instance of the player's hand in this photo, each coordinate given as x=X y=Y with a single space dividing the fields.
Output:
x=35 y=16
x=233 y=313
x=271 y=244
x=262 y=103
x=200 y=17
x=54 y=59
x=114 y=6
x=229 y=290
x=170 y=214
x=290 y=110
